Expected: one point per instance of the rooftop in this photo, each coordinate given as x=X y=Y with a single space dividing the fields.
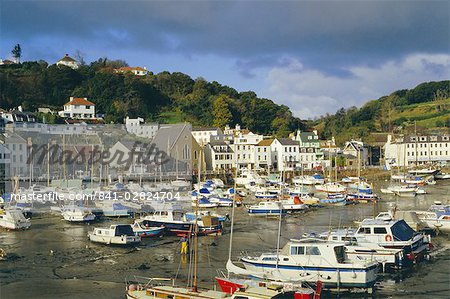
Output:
x=79 y=101
x=287 y=141
x=67 y=58
x=265 y=142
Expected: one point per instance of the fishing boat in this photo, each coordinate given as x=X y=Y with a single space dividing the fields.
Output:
x=267 y=208
x=143 y=230
x=13 y=219
x=174 y=219
x=117 y=234
x=74 y=213
x=331 y=187
x=309 y=260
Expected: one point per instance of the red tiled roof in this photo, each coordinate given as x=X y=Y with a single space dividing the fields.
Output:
x=79 y=101
x=67 y=58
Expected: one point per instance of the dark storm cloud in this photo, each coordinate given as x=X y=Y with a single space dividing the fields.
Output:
x=324 y=35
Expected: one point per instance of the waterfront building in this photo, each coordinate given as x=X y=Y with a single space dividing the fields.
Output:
x=219 y=156
x=285 y=153
x=244 y=148
x=413 y=150
x=310 y=155
x=263 y=154
x=17 y=147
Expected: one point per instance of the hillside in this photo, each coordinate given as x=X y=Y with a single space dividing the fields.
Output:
x=425 y=108
x=164 y=97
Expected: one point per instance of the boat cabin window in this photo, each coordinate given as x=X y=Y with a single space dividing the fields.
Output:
x=379 y=230
x=269 y=258
x=124 y=230
x=312 y=250
x=402 y=231
x=349 y=239
x=296 y=250
x=240 y=297
x=339 y=251
x=364 y=230
x=335 y=238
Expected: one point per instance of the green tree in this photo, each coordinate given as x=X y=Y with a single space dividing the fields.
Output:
x=221 y=111
x=17 y=52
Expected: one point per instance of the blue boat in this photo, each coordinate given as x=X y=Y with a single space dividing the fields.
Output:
x=142 y=229
x=334 y=199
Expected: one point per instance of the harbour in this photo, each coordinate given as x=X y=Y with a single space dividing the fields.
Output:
x=55 y=257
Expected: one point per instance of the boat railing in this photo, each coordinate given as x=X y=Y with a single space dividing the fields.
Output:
x=146 y=282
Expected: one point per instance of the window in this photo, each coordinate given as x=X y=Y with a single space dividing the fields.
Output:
x=364 y=230
x=296 y=250
x=312 y=250
x=379 y=230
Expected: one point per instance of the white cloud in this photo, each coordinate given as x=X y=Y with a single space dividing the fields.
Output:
x=311 y=93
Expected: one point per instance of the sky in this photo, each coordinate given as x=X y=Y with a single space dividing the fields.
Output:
x=313 y=56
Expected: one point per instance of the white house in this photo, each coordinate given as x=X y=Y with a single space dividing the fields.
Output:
x=263 y=154
x=203 y=135
x=219 y=156
x=285 y=154
x=244 y=149
x=79 y=108
x=68 y=61
x=417 y=150
x=138 y=127
x=5 y=165
x=135 y=70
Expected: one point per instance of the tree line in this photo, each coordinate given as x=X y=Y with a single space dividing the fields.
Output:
x=162 y=97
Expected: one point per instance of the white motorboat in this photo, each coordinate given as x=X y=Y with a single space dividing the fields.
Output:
x=292 y=205
x=117 y=234
x=308 y=180
x=265 y=195
x=267 y=208
x=385 y=256
x=13 y=219
x=442 y=176
x=309 y=260
x=392 y=234
x=248 y=177
x=203 y=202
x=398 y=189
x=435 y=220
x=74 y=213
x=331 y=187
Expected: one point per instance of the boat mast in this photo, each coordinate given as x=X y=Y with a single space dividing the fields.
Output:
x=232 y=213
x=279 y=220
x=194 y=283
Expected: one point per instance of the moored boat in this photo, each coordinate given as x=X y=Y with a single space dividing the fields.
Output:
x=13 y=219
x=267 y=208
x=143 y=230
x=117 y=234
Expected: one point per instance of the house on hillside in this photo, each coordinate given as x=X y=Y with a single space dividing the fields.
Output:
x=79 y=108
x=68 y=61
x=135 y=70
x=6 y=62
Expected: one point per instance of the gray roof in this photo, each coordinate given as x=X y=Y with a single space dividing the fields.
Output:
x=428 y=138
x=167 y=135
x=304 y=137
x=287 y=141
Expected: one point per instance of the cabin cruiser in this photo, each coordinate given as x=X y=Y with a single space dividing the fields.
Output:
x=308 y=180
x=174 y=219
x=117 y=234
x=309 y=260
x=392 y=234
x=267 y=208
x=221 y=201
x=442 y=176
x=248 y=177
x=74 y=213
x=265 y=195
x=13 y=219
x=386 y=257
x=331 y=187
x=292 y=205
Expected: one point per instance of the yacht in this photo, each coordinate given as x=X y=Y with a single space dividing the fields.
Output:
x=13 y=219
x=117 y=234
x=310 y=260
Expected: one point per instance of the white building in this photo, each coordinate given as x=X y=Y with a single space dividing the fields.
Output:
x=263 y=154
x=244 y=149
x=219 y=156
x=285 y=154
x=135 y=70
x=203 y=135
x=138 y=127
x=79 y=108
x=417 y=150
x=5 y=165
x=68 y=61
x=18 y=148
